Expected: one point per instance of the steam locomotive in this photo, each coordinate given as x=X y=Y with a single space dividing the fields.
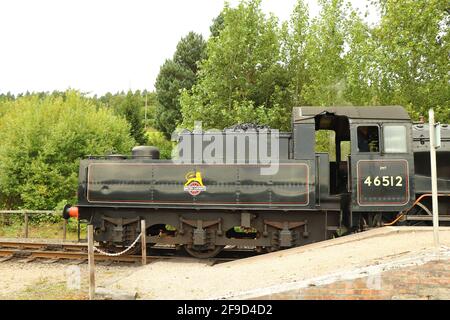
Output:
x=376 y=172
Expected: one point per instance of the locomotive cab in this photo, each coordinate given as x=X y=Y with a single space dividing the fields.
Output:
x=368 y=161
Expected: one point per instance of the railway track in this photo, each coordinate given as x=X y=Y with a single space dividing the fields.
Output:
x=50 y=252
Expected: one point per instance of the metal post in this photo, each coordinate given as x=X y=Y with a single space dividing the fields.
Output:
x=143 y=243
x=91 y=262
x=26 y=223
x=434 y=190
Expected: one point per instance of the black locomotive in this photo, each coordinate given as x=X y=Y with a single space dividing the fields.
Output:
x=378 y=173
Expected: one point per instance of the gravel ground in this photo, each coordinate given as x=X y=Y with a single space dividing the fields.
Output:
x=184 y=279
x=197 y=280
x=38 y=280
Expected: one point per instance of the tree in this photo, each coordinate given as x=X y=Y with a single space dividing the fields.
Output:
x=6 y=103
x=42 y=141
x=242 y=79
x=190 y=50
x=131 y=107
x=172 y=78
x=295 y=36
x=413 y=42
x=149 y=99
x=324 y=56
x=217 y=25
x=175 y=75
x=360 y=63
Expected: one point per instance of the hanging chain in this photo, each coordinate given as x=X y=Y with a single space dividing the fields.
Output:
x=118 y=253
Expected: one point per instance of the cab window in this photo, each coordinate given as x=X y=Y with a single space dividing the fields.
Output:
x=394 y=138
x=368 y=139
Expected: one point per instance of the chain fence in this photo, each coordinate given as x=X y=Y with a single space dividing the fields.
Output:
x=119 y=253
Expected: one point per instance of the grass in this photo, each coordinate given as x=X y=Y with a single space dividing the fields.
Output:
x=41 y=231
x=43 y=290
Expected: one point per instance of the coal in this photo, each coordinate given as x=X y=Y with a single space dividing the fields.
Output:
x=247 y=126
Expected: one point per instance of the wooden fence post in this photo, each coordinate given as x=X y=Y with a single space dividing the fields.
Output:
x=91 y=262
x=78 y=230
x=26 y=223
x=143 y=243
x=64 y=229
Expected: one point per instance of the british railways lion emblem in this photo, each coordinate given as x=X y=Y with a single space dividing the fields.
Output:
x=194 y=184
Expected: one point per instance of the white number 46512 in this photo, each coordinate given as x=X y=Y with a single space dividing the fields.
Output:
x=385 y=181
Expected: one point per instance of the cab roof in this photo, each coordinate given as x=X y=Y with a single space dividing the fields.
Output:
x=373 y=113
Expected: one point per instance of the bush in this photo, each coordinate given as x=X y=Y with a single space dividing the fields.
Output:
x=158 y=139
x=42 y=141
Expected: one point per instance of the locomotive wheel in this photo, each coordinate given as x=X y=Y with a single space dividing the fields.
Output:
x=201 y=253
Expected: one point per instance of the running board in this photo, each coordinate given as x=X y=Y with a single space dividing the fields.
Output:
x=427 y=218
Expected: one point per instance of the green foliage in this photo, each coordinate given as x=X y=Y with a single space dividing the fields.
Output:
x=158 y=139
x=175 y=75
x=242 y=79
x=171 y=79
x=190 y=50
x=131 y=107
x=412 y=46
x=256 y=71
x=42 y=141
x=360 y=63
x=217 y=25
x=294 y=38
x=324 y=56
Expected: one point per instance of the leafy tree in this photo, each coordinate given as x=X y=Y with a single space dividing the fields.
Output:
x=165 y=146
x=171 y=79
x=6 y=97
x=413 y=42
x=150 y=99
x=324 y=55
x=360 y=63
x=190 y=50
x=42 y=141
x=175 y=75
x=6 y=103
x=242 y=79
x=217 y=25
x=295 y=35
x=131 y=107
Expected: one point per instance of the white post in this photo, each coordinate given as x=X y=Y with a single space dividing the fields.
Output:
x=143 y=243
x=434 y=191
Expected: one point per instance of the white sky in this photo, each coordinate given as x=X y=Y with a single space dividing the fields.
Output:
x=102 y=45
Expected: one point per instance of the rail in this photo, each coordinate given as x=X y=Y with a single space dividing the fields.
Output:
x=26 y=213
x=32 y=250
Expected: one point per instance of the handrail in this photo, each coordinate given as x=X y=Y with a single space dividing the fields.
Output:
x=29 y=211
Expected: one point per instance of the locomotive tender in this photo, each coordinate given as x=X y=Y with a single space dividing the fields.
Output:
x=378 y=174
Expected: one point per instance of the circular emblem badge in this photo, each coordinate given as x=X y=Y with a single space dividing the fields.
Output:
x=194 y=184
x=194 y=188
